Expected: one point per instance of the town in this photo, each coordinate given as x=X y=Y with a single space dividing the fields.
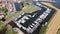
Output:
x=24 y=16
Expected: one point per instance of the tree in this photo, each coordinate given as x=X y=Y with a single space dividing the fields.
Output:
x=4 y=10
x=10 y=32
x=43 y=30
x=21 y=5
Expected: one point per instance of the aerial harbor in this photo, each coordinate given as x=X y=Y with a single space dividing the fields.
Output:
x=29 y=17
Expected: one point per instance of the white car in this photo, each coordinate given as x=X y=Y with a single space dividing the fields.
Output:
x=31 y=26
x=1 y=16
x=19 y=25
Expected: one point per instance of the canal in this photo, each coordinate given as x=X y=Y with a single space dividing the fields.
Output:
x=57 y=3
x=17 y=6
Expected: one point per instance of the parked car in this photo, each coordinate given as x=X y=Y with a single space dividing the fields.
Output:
x=2 y=16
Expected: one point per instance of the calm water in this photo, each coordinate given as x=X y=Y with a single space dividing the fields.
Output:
x=57 y=3
x=17 y=6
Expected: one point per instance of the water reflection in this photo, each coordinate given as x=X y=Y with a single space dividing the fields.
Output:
x=57 y=3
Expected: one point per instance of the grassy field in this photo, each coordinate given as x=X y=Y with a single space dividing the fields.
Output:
x=27 y=8
x=30 y=8
x=0 y=25
x=58 y=32
x=10 y=32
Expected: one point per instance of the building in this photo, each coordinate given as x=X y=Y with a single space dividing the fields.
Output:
x=11 y=5
x=2 y=15
x=8 y=5
x=30 y=22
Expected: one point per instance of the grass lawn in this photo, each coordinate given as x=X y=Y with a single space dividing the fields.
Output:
x=10 y=32
x=58 y=32
x=0 y=25
x=27 y=8
x=43 y=30
x=30 y=8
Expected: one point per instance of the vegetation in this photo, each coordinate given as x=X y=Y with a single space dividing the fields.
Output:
x=58 y=32
x=30 y=9
x=5 y=10
x=1 y=28
x=23 y=4
x=9 y=16
x=0 y=25
x=10 y=32
x=42 y=30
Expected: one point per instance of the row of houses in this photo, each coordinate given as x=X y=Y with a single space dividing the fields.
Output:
x=29 y=22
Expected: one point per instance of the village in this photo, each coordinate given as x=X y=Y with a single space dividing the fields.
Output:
x=24 y=16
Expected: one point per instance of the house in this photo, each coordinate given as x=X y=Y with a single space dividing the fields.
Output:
x=8 y=5
x=11 y=5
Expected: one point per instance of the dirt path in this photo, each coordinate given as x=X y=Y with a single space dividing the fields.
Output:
x=54 y=25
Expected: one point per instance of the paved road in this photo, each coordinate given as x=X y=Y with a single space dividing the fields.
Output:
x=54 y=25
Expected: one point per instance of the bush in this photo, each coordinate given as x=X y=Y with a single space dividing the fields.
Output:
x=10 y=32
x=43 y=30
x=5 y=10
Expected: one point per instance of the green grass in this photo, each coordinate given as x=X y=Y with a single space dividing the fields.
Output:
x=27 y=8
x=0 y=25
x=58 y=32
x=9 y=16
x=10 y=32
x=30 y=8
x=43 y=30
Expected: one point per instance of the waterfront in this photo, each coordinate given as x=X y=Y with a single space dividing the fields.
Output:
x=57 y=3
